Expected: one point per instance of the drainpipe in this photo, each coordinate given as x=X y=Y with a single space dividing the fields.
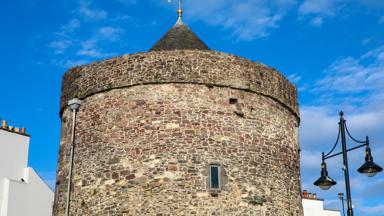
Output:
x=74 y=105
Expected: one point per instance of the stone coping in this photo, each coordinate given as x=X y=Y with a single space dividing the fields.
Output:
x=209 y=68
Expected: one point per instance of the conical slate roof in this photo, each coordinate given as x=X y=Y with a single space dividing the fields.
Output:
x=179 y=37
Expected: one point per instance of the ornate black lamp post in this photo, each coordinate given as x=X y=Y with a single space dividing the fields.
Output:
x=369 y=168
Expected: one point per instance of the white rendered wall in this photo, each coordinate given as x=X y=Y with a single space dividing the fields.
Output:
x=22 y=191
x=13 y=156
x=316 y=208
x=30 y=198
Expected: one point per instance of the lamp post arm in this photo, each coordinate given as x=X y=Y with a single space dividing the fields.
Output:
x=331 y=156
x=350 y=136
x=334 y=146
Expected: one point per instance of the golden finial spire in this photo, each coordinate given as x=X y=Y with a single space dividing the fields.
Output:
x=180 y=11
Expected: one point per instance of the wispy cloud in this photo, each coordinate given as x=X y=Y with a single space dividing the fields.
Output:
x=317 y=21
x=95 y=53
x=110 y=33
x=322 y=8
x=86 y=36
x=294 y=78
x=359 y=78
x=91 y=13
x=70 y=27
x=310 y=159
x=246 y=20
x=60 y=46
x=376 y=187
x=63 y=39
x=378 y=210
x=128 y=2
x=367 y=41
x=332 y=204
x=381 y=20
x=375 y=4
x=68 y=63
x=90 y=48
x=318 y=11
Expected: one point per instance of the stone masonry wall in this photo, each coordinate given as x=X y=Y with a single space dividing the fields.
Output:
x=145 y=149
x=200 y=67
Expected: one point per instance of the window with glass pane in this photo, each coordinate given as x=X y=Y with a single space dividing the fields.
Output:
x=214 y=175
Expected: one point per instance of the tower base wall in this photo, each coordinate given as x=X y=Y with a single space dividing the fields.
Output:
x=145 y=150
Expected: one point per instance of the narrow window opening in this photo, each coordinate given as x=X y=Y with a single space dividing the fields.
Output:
x=232 y=100
x=214 y=177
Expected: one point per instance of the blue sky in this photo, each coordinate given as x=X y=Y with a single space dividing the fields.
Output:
x=333 y=50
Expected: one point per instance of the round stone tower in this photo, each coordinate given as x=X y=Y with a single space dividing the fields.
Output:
x=179 y=130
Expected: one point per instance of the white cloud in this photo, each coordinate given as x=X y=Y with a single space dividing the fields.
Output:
x=310 y=160
x=361 y=78
x=86 y=11
x=246 y=19
x=88 y=35
x=375 y=4
x=128 y=2
x=95 y=53
x=317 y=21
x=294 y=78
x=69 y=63
x=367 y=41
x=318 y=126
x=70 y=27
x=375 y=189
x=90 y=42
x=332 y=204
x=323 y=7
x=381 y=20
x=319 y=10
x=86 y=48
x=378 y=210
x=90 y=48
x=63 y=39
x=110 y=33
x=60 y=46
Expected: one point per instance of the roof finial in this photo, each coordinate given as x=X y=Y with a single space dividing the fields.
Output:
x=180 y=11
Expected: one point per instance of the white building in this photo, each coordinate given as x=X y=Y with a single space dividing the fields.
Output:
x=22 y=191
x=315 y=207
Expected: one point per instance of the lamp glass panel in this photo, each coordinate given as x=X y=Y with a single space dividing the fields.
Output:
x=325 y=187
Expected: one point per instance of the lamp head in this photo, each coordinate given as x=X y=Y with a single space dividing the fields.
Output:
x=369 y=168
x=324 y=182
x=74 y=104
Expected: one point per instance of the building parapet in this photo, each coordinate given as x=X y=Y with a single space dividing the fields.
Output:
x=208 y=68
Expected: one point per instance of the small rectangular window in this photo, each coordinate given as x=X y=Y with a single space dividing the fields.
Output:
x=214 y=176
